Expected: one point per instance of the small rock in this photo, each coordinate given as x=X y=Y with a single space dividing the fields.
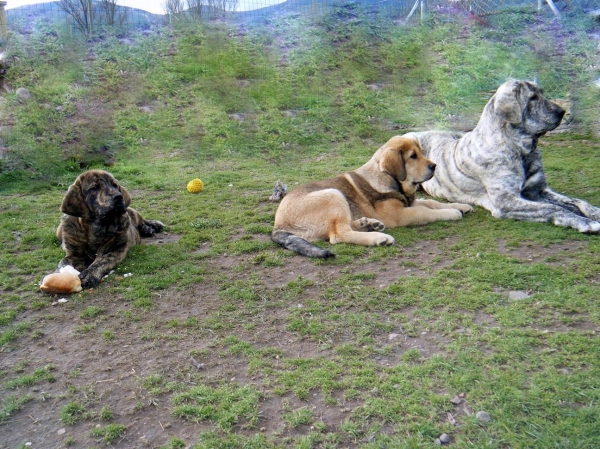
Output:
x=456 y=400
x=461 y=395
x=289 y=113
x=23 y=93
x=393 y=336
x=483 y=417
x=517 y=295
x=437 y=442
x=444 y=438
x=61 y=431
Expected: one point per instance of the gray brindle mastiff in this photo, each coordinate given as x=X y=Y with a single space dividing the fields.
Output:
x=498 y=165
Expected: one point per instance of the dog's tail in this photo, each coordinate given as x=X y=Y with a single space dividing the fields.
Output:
x=299 y=245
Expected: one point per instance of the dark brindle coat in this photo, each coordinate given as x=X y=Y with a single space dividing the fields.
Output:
x=498 y=165
x=99 y=227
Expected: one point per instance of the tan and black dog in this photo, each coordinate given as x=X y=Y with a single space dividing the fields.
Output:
x=356 y=206
x=99 y=227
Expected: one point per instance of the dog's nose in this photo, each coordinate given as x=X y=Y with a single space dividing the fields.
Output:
x=432 y=166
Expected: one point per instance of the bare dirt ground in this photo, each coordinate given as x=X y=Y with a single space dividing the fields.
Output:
x=100 y=372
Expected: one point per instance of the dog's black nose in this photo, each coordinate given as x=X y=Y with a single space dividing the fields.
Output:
x=432 y=166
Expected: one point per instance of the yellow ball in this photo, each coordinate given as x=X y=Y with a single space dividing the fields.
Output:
x=195 y=185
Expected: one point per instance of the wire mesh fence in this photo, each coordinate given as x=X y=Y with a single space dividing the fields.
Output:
x=560 y=73
x=137 y=13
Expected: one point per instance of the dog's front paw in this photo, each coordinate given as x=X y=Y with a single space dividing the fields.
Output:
x=464 y=208
x=384 y=240
x=89 y=279
x=451 y=214
x=590 y=227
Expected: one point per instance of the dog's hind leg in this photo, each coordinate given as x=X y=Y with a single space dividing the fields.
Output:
x=149 y=227
x=343 y=233
x=146 y=228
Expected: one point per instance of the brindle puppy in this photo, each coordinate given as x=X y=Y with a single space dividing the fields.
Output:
x=356 y=206
x=498 y=165
x=99 y=227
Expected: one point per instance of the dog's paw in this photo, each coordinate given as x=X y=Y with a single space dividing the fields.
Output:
x=464 y=208
x=451 y=214
x=88 y=279
x=369 y=225
x=150 y=227
x=156 y=225
x=591 y=227
x=384 y=240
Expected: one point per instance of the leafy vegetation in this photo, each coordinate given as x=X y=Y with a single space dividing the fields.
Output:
x=220 y=338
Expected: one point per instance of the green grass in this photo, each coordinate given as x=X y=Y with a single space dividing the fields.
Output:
x=108 y=433
x=218 y=338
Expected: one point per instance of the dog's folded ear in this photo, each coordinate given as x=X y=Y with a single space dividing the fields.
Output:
x=126 y=196
x=391 y=162
x=506 y=105
x=74 y=203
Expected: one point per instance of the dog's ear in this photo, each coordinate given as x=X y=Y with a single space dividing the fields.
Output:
x=391 y=162
x=125 y=193
x=74 y=203
x=506 y=103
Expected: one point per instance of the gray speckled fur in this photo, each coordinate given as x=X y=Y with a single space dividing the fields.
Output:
x=498 y=165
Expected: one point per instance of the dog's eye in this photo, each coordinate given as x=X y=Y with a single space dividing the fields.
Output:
x=413 y=156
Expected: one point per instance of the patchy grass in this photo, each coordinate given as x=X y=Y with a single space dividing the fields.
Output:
x=212 y=336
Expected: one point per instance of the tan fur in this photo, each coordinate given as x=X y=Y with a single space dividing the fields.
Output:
x=355 y=206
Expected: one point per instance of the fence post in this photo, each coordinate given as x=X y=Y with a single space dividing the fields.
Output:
x=553 y=8
x=3 y=26
x=423 y=10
